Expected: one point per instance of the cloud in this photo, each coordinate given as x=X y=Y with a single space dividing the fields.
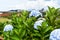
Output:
x=28 y=4
x=38 y=4
x=31 y=4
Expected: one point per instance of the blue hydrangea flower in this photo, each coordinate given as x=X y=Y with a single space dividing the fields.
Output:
x=8 y=27
x=39 y=22
x=55 y=35
x=35 y=13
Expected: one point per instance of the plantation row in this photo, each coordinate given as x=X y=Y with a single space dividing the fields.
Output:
x=32 y=26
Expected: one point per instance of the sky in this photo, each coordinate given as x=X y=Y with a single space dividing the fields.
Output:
x=6 y=5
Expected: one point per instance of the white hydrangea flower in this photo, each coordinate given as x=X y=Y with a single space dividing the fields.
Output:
x=41 y=19
x=8 y=27
x=39 y=22
x=35 y=13
x=55 y=35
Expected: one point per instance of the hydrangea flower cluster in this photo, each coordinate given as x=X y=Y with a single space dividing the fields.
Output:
x=35 y=13
x=8 y=27
x=39 y=22
x=55 y=35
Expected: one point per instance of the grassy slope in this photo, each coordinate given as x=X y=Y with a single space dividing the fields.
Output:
x=4 y=19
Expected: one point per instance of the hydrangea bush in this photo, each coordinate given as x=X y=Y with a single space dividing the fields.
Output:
x=39 y=22
x=35 y=13
x=8 y=27
x=24 y=27
x=51 y=16
x=55 y=35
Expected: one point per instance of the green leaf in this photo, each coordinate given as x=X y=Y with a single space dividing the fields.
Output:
x=47 y=29
x=15 y=38
x=46 y=35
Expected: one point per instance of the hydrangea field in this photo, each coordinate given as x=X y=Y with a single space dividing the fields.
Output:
x=32 y=25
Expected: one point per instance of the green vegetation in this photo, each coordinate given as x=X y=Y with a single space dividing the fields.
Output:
x=4 y=19
x=24 y=26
